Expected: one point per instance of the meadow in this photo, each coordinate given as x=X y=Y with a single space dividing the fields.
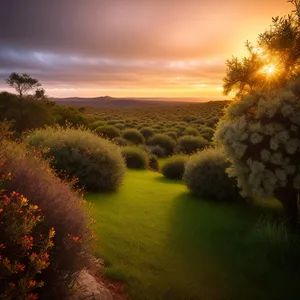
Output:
x=164 y=243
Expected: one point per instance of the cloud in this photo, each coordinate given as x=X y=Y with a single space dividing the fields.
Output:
x=127 y=43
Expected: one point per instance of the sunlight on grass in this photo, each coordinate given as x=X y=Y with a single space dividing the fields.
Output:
x=165 y=244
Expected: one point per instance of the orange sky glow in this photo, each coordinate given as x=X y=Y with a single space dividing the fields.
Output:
x=128 y=48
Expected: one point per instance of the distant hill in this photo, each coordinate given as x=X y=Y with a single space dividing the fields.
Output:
x=110 y=102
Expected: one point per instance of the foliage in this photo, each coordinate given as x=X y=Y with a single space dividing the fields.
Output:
x=174 y=167
x=260 y=134
x=153 y=162
x=133 y=136
x=191 y=131
x=96 y=162
x=108 y=131
x=61 y=208
x=273 y=62
x=22 y=83
x=24 y=113
x=190 y=144
x=157 y=151
x=135 y=157
x=205 y=176
x=164 y=142
x=147 y=132
x=24 y=246
x=121 y=141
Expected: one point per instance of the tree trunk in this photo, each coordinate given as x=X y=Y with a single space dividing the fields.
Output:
x=289 y=201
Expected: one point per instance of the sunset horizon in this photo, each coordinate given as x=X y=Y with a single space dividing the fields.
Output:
x=127 y=50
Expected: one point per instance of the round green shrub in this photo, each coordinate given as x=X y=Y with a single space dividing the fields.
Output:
x=157 y=151
x=147 y=132
x=174 y=167
x=108 y=131
x=96 y=162
x=191 y=131
x=62 y=208
x=172 y=134
x=207 y=132
x=133 y=136
x=205 y=175
x=96 y=124
x=121 y=142
x=164 y=142
x=190 y=144
x=153 y=162
x=135 y=157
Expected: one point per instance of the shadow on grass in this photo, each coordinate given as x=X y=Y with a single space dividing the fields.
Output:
x=219 y=240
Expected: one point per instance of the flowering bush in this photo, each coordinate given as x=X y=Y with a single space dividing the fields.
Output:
x=62 y=208
x=260 y=134
x=24 y=246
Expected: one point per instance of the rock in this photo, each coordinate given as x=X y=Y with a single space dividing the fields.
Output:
x=88 y=288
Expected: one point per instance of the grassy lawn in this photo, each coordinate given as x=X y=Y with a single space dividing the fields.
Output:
x=165 y=244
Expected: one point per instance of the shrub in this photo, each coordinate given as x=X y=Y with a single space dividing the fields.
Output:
x=190 y=144
x=96 y=162
x=153 y=162
x=174 y=167
x=61 y=208
x=172 y=134
x=207 y=133
x=164 y=142
x=157 y=151
x=108 y=131
x=147 y=132
x=96 y=124
x=133 y=136
x=24 y=246
x=260 y=134
x=120 y=141
x=191 y=131
x=205 y=176
x=135 y=157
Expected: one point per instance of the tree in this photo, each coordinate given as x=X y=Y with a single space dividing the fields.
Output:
x=273 y=62
x=260 y=130
x=22 y=83
x=40 y=93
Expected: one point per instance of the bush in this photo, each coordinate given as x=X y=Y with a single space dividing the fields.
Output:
x=96 y=124
x=96 y=162
x=147 y=132
x=135 y=158
x=172 y=134
x=190 y=144
x=205 y=176
x=164 y=142
x=133 y=136
x=108 y=131
x=153 y=162
x=207 y=133
x=174 y=167
x=62 y=209
x=120 y=141
x=157 y=151
x=22 y=258
x=260 y=134
x=191 y=131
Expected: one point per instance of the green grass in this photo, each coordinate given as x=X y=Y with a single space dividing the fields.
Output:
x=165 y=244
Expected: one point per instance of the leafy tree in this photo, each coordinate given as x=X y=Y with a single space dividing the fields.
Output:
x=272 y=62
x=261 y=127
x=22 y=83
x=40 y=93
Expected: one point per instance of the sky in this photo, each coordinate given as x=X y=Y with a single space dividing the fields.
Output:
x=129 y=48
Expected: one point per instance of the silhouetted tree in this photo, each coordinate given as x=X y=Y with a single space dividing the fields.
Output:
x=22 y=83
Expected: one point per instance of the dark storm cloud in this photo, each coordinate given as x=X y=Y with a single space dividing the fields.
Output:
x=115 y=42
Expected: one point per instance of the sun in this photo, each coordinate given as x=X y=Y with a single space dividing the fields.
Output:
x=269 y=70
